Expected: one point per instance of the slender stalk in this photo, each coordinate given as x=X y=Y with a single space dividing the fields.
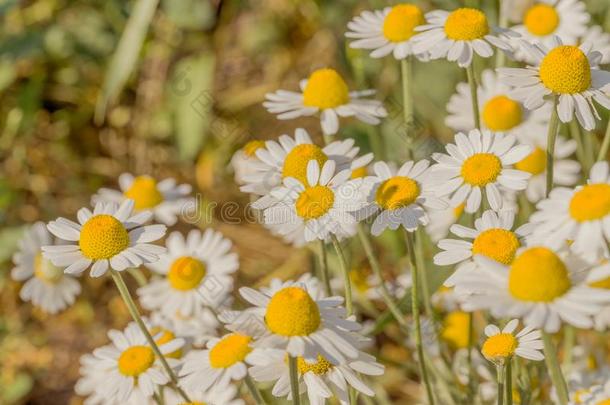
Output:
x=580 y=149
x=421 y=265
x=133 y=310
x=471 y=373
x=603 y=151
x=550 y=145
x=345 y=270
x=294 y=380
x=474 y=96
x=509 y=382
x=569 y=338
x=552 y=364
x=415 y=310
x=500 y=379
x=323 y=260
x=256 y=395
x=406 y=72
x=502 y=23
x=138 y=276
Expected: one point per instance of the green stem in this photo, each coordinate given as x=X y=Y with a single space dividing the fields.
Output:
x=502 y=23
x=133 y=310
x=550 y=145
x=294 y=380
x=324 y=268
x=406 y=72
x=421 y=265
x=603 y=151
x=138 y=276
x=256 y=395
x=509 y=381
x=580 y=149
x=471 y=370
x=500 y=380
x=474 y=96
x=552 y=364
x=345 y=270
x=569 y=339
x=415 y=310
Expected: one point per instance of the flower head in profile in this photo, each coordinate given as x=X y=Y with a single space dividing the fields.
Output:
x=325 y=92
x=501 y=345
x=109 y=237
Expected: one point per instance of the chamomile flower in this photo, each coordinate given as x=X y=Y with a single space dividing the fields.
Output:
x=196 y=273
x=499 y=112
x=456 y=35
x=501 y=345
x=387 y=31
x=581 y=215
x=601 y=42
x=108 y=237
x=244 y=161
x=568 y=72
x=166 y=199
x=196 y=330
x=599 y=277
x=46 y=285
x=598 y=395
x=325 y=92
x=481 y=161
x=439 y=221
x=321 y=378
x=542 y=287
x=399 y=196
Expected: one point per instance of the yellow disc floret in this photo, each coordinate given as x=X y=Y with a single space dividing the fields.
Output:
x=538 y=275
x=292 y=312
x=320 y=367
x=534 y=163
x=144 y=193
x=102 y=237
x=466 y=24
x=592 y=202
x=229 y=350
x=251 y=147
x=313 y=202
x=186 y=273
x=136 y=360
x=45 y=270
x=566 y=70
x=455 y=329
x=497 y=244
x=295 y=163
x=325 y=89
x=163 y=336
x=399 y=25
x=541 y=19
x=500 y=346
x=501 y=113
x=481 y=169
x=359 y=172
x=397 y=192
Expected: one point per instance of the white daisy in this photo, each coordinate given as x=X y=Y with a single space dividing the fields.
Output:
x=197 y=273
x=245 y=162
x=386 y=31
x=91 y=378
x=568 y=72
x=46 y=285
x=598 y=395
x=110 y=236
x=196 y=330
x=481 y=161
x=166 y=199
x=501 y=345
x=541 y=287
x=439 y=221
x=217 y=395
x=581 y=215
x=599 y=277
x=457 y=34
x=399 y=196
x=325 y=92
x=601 y=42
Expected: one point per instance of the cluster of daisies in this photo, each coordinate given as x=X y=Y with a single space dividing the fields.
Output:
x=519 y=215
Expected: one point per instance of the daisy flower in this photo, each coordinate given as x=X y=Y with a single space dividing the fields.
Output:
x=599 y=277
x=166 y=199
x=316 y=209
x=46 y=285
x=501 y=345
x=197 y=272
x=493 y=237
x=499 y=112
x=568 y=72
x=439 y=221
x=580 y=214
x=456 y=35
x=244 y=162
x=541 y=287
x=321 y=379
x=108 y=237
x=481 y=161
x=597 y=395
x=325 y=92
x=387 y=31
x=399 y=196
x=196 y=330
x=601 y=42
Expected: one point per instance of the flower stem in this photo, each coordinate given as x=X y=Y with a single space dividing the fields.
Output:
x=256 y=395
x=421 y=265
x=133 y=310
x=415 y=310
x=324 y=268
x=474 y=97
x=406 y=72
x=500 y=379
x=580 y=149
x=553 y=365
x=502 y=23
x=550 y=145
x=509 y=381
x=294 y=380
x=603 y=151
x=345 y=270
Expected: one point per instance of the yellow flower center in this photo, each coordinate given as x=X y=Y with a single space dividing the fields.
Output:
x=538 y=275
x=500 y=346
x=186 y=273
x=501 y=113
x=320 y=367
x=45 y=270
x=399 y=25
x=359 y=172
x=459 y=210
x=566 y=70
x=481 y=169
x=292 y=312
x=541 y=19
x=360 y=278
x=579 y=394
x=397 y=192
x=166 y=337
x=497 y=244
x=325 y=89
x=136 y=360
x=295 y=163
x=534 y=163
x=455 y=329
x=591 y=202
x=102 y=237
x=313 y=202
x=229 y=350
x=466 y=24
x=251 y=147
x=603 y=283
x=144 y=193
